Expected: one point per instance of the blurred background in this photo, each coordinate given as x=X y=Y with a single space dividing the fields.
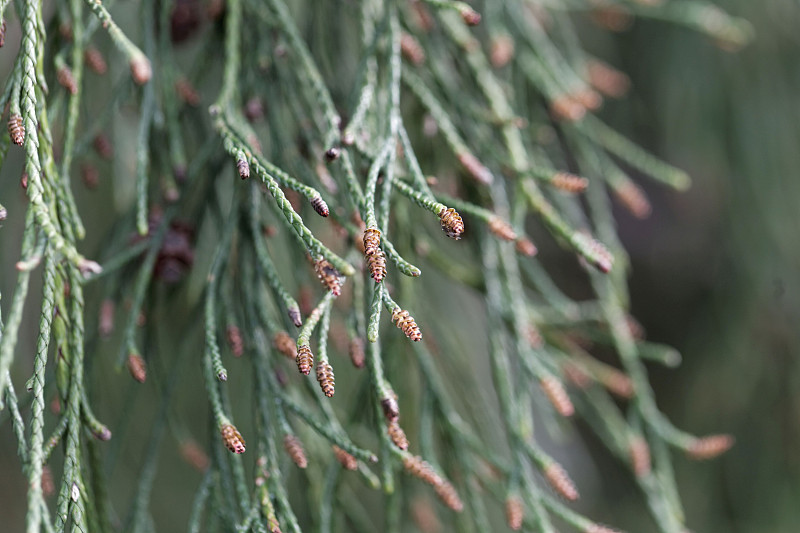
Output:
x=715 y=273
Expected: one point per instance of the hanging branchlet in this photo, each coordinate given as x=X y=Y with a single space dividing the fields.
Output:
x=137 y=367
x=709 y=447
x=328 y=276
x=452 y=225
x=325 y=378
x=285 y=344
x=15 y=129
x=406 y=323
x=294 y=448
x=232 y=438
x=557 y=395
x=304 y=359
x=560 y=481
x=514 y=512
x=348 y=461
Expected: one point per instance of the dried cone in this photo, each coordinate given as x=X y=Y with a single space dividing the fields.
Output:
x=709 y=447
x=304 y=359
x=405 y=322
x=411 y=49
x=15 y=129
x=232 y=438
x=557 y=395
x=294 y=448
x=560 y=481
x=452 y=225
x=137 y=367
x=325 y=378
x=569 y=182
x=397 y=434
x=243 y=168
x=320 y=206
x=95 y=61
x=67 y=80
x=357 y=355
x=640 y=456
x=475 y=168
x=633 y=198
x=607 y=79
x=234 y=337
x=328 y=275
x=501 y=229
x=194 y=455
x=285 y=344
x=347 y=460
x=514 y=512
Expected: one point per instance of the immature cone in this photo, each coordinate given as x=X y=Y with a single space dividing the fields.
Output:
x=356 y=350
x=514 y=512
x=328 y=276
x=617 y=383
x=633 y=198
x=640 y=456
x=234 y=337
x=141 y=71
x=560 y=481
x=304 y=359
x=243 y=168
x=557 y=395
x=607 y=79
x=95 y=61
x=347 y=460
x=475 y=168
x=709 y=447
x=67 y=80
x=15 y=129
x=232 y=438
x=294 y=448
x=569 y=182
x=320 y=206
x=452 y=225
x=501 y=229
x=194 y=455
x=576 y=375
x=397 y=434
x=285 y=344
x=411 y=49
x=325 y=378
x=406 y=323
x=137 y=367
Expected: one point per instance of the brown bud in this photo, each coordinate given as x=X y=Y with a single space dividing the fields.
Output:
x=187 y=92
x=194 y=455
x=501 y=229
x=452 y=225
x=304 y=359
x=406 y=323
x=471 y=164
x=347 y=460
x=102 y=145
x=243 y=168
x=67 y=80
x=320 y=206
x=633 y=198
x=555 y=392
x=16 y=130
x=709 y=447
x=328 y=276
x=397 y=434
x=514 y=512
x=502 y=50
x=294 y=447
x=560 y=481
x=232 y=438
x=137 y=367
x=357 y=355
x=234 y=338
x=569 y=182
x=325 y=378
x=607 y=79
x=525 y=246
x=285 y=344
x=95 y=61
x=141 y=69
x=411 y=49
x=639 y=452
